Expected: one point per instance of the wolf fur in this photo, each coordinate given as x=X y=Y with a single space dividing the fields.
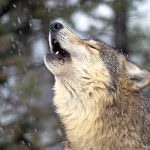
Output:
x=97 y=96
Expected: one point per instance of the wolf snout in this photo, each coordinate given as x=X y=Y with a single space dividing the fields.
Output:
x=55 y=27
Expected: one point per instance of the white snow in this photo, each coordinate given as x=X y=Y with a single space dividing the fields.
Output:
x=141 y=15
x=8 y=119
x=46 y=138
x=83 y=22
x=36 y=24
x=5 y=19
x=5 y=92
x=103 y=10
x=39 y=50
x=73 y=2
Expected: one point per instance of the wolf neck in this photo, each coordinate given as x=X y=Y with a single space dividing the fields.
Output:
x=80 y=98
x=86 y=111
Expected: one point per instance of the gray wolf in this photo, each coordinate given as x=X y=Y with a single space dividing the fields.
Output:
x=97 y=94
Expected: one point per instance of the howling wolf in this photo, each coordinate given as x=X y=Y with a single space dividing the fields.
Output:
x=97 y=94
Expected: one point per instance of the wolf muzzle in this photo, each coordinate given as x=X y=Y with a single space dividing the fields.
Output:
x=55 y=27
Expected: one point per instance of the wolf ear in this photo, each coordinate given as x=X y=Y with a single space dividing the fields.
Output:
x=137 y=77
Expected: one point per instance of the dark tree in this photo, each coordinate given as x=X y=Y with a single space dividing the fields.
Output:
x=120 y=24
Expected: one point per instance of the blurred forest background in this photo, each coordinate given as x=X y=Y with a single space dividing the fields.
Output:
x=27 y=121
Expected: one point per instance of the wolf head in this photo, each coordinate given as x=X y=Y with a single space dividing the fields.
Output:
x=89 y=61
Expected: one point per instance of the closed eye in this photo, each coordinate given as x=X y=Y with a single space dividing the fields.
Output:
x=94 y=47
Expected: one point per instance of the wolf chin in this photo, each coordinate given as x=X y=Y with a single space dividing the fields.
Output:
x=97 y=94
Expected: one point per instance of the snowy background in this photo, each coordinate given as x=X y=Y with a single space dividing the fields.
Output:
x=27 y=119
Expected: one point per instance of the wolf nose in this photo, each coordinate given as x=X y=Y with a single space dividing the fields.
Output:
x=56 y=26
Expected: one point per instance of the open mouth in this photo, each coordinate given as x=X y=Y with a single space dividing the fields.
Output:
x=57 y=51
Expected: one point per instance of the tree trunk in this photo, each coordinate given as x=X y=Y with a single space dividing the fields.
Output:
x=120 y=24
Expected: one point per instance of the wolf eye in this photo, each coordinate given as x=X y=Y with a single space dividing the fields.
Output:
x=93 y=46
